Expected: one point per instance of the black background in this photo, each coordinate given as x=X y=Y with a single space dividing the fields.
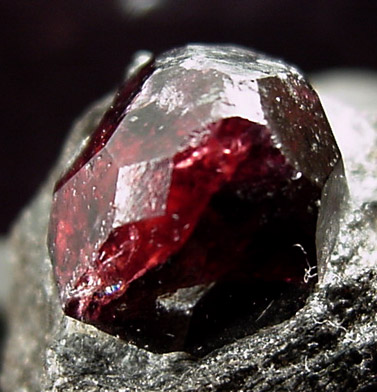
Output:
x=56 y=57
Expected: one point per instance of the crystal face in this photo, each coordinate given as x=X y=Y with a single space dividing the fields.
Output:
x=205 y=174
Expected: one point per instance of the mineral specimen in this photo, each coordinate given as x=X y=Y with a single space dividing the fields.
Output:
x=203 y=175
x=330 y=344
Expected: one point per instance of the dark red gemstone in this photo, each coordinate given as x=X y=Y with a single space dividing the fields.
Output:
x=185 y=184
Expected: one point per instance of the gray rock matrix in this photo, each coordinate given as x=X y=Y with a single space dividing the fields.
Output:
x=329 y=345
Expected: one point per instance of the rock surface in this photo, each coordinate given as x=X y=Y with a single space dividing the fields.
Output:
x=329 y=345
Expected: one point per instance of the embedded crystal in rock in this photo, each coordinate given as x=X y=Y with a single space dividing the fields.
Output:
x=205 y=172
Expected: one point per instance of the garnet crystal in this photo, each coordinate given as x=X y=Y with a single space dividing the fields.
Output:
x=205 y=174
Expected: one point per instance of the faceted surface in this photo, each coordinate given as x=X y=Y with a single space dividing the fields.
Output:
x=199 y=177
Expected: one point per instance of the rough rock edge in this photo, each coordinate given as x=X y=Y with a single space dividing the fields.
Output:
x=330 y=344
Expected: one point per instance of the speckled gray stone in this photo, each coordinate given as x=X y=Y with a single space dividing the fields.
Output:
x=329 y=345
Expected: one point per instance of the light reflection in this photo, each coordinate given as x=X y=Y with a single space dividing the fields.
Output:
x=139 y=7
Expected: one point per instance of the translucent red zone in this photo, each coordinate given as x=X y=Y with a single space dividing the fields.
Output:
x=197 y=203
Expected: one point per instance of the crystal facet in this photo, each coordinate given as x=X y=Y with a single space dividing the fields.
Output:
x=206 y=171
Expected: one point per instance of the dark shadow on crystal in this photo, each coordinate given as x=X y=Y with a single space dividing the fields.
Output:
x=233 y=310
x=229 y=311
x=209 y=315
x=256 y=297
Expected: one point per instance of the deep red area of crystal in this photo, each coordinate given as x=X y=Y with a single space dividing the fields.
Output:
x=122 y=215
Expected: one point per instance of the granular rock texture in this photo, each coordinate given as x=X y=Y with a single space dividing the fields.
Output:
x=328 y=345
